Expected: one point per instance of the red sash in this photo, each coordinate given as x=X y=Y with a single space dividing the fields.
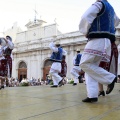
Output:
x=63 y=69
x=3 y=68
x=114 y=53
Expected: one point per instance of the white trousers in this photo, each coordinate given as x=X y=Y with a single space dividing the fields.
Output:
x=94 y=74
x=54 y=70
x=75 y=72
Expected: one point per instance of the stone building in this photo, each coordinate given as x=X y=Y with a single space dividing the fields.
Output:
x=31 y=53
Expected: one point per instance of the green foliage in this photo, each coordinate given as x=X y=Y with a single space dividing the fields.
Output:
x=71 y=82
x=24 y=84
x=51 y=83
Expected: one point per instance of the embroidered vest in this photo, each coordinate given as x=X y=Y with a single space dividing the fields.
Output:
x=7 y=51
x=57 y=56
x=77 y=60
x=103 y=25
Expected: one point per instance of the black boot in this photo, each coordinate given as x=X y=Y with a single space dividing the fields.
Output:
x=60 y=83
x=111 y=86
x=74 y=84
x=101 y=93
x=2 y=87
x=80 y=79
x=90 y=100
x=54 y=86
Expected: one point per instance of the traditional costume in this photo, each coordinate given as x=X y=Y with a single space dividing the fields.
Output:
x=6 y=60
x=63 y=69
x=76 y=69
x=56 y=57
x=3 y=62
x=111 y=66
x=98 y=24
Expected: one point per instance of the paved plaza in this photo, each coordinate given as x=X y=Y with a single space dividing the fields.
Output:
x=63 y=103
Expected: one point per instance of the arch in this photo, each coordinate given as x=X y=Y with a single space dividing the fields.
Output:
x=22 y=65
x=17 y=65
x=43 y=62
x=46 y=67
x=22 y=70
x=47 y=63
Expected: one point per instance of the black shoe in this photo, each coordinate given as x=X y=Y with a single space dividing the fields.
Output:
x=2 y=87
x=101 y=93
x=74 y=84
x=79 y=77
x=90 y=100
x=54 y=86
x=111 y=86
x=60 y=83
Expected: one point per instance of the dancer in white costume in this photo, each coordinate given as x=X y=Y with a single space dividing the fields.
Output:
x=111 y=66
x=55 y=69
x=6 y=59
x=98 y=25
x=76 y=69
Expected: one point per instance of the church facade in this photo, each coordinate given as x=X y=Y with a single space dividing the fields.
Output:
x=31 y=53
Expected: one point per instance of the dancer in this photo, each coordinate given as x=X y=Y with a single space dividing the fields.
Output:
x=3 y=62
x=111 y=66
x=55 y=69
x=76 y=69
x=6 y=61
x=98 y=25
x=63 y=69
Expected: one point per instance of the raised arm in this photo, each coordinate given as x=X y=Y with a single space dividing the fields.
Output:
x=52 y=47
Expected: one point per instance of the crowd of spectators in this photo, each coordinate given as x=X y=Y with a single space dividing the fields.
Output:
x=31 y=82
x=37 y=82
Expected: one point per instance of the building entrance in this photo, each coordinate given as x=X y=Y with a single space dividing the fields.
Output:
x=22 y=71
x=46 y=68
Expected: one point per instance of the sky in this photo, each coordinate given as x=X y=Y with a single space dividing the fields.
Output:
x=66 y=12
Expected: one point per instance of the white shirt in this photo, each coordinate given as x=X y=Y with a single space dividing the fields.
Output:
x=90 y=15
x=10 y=45
x=1 y=53
x=102 y=47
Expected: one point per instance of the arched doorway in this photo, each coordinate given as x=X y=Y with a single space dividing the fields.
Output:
x=22 y=71
x=46 y=68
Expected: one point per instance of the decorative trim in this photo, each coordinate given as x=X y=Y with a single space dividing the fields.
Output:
x=99 y=53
